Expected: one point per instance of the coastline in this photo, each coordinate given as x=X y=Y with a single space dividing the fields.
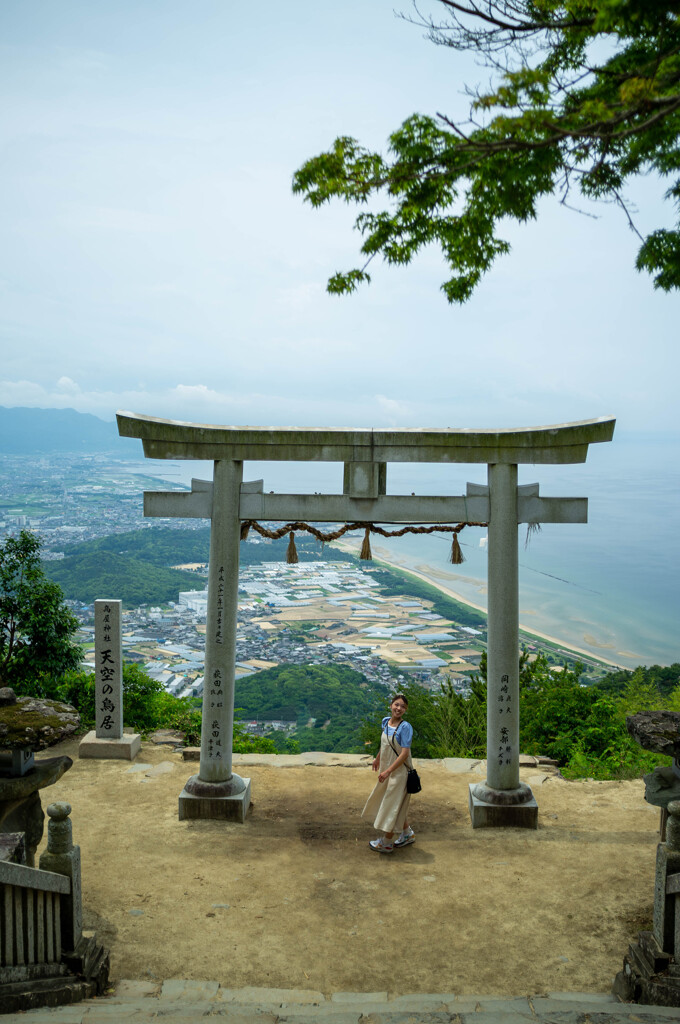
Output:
x=569 y=647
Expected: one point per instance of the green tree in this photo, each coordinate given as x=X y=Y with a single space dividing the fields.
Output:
x=445 y=723
x=36 y=627
x=148 y=706
x=458 y=727
x=585 y=95
x=666 y=679
x=146 y=703
x=584 y=727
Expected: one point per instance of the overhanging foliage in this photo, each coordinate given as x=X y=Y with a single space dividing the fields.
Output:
x=586 y=97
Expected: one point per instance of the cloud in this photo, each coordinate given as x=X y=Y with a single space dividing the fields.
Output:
x=202 y=404
x=68 y=386
x=193 y=392
x=395 y=411
x=24 y=393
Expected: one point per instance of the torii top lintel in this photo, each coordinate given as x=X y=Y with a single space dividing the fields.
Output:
x=173 y=439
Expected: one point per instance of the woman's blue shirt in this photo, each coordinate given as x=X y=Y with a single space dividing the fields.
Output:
x=403 y=732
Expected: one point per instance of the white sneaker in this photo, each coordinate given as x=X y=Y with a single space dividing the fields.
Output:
x=405 y=838
x=381 y=845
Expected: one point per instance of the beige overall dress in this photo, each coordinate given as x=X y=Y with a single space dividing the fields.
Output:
x=388 y=803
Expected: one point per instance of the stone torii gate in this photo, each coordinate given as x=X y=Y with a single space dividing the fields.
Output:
x=217 y=792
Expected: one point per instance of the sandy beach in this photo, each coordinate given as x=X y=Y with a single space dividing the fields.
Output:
x=431 y=576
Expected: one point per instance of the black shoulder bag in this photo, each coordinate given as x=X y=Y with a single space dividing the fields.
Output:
x=413 y=784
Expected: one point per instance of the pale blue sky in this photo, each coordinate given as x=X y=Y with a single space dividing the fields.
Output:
x=155 y=259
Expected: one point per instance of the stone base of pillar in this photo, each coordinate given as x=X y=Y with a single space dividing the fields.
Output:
x=649 y=975
x=502 y=808
x=125 y=749
x=227 y=801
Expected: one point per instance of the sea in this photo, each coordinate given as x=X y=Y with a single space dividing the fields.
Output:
x=610 y=587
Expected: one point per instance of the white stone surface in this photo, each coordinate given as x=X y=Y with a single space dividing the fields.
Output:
x=124 y=749
x=460 y=765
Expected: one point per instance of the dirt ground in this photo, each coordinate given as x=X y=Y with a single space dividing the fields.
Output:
x=295 y=898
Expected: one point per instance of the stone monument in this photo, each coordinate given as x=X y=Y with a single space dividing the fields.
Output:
x=108 y=740
x=227 y=501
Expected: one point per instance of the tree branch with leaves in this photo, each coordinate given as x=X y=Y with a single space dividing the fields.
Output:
x=586 y=96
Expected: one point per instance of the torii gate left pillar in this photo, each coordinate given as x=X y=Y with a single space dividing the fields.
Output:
x=217 y=792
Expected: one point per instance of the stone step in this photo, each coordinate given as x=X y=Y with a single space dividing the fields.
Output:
x=46 y=992
x=179 y=1001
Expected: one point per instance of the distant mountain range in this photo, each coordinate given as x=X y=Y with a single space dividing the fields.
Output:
x=39 y=431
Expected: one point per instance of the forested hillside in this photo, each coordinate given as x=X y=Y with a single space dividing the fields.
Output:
x=136 y=566
x=338 y=698
x=164 y=546
x=92 y=574
x=664 y=678
x=159 y=545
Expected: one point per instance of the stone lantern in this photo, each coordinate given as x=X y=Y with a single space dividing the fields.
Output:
x=27 y=725
x=651 y=968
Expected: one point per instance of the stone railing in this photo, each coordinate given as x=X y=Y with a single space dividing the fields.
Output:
x=41 y=933
x=30 y=922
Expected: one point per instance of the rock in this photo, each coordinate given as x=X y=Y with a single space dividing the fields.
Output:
x=7 y=696
x=172 y=737
x=160 y=769
x=34 y=723
x=658 y=731
x=13 y=847
x=527 y=761
x=661 y=787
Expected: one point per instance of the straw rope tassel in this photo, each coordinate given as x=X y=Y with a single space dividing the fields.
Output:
x=365 y=553
x=531 y=529
x=456 y=553
x=291 y=553
x=245 y=530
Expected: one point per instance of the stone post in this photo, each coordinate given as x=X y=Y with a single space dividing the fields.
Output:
x=216 y=792
x=666 y=928
x=503 y=800
x=108 y=739
x=62 y=857
x=108 y=670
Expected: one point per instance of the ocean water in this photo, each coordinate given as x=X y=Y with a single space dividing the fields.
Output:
x=611 y=586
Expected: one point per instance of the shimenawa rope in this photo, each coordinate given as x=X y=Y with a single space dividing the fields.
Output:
x=292 y=528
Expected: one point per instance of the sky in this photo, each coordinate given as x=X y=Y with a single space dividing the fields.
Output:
x=156 y=260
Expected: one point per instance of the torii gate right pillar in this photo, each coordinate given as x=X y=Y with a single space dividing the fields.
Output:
x=503 y=800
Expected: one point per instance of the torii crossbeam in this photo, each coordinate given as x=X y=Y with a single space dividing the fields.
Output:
x=217 y=792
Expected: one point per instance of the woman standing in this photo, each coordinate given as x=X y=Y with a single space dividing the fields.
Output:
x=388 y=803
